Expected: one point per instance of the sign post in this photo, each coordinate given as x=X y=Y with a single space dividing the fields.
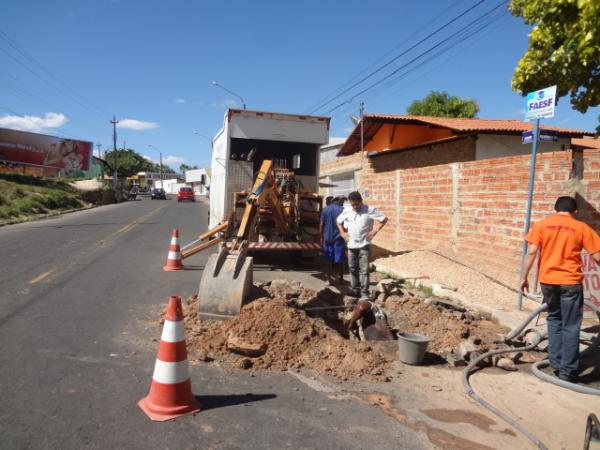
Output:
x=539 y=104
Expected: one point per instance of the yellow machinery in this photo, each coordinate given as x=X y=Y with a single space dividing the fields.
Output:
x=277 y=214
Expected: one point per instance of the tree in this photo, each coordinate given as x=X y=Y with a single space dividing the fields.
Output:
x=129 y=162
x=440 y=104
x=184 y=167
x=564 y=49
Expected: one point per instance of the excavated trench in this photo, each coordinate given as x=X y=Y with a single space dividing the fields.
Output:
x=285 y=326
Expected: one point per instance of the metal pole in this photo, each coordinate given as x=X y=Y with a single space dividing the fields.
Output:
x=362 y=130
x=161 y=174
x=534 y=148
x=114 y=123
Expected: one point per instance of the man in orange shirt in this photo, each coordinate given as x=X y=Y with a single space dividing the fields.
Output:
x=559 y=240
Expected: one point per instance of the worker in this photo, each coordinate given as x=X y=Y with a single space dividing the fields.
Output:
x=559 y=240
x=356 y=225
x=374 y=323
x=328 y=200
x=333 y=244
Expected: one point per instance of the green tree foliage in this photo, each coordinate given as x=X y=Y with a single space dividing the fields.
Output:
x=564 y=49
x=129 y=162
x=440 y=104
x=184 y=167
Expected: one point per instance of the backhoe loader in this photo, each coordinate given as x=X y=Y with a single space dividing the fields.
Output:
x=277 y=214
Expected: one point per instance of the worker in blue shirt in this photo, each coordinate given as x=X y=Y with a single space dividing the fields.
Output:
x=333 y=244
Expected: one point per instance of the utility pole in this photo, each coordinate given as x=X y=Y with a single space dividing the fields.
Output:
x=114 y=124
x=99 y=145
x=161 y=175
x=362 y=127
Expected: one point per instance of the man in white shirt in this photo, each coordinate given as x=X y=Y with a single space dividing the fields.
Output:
x=356 y=227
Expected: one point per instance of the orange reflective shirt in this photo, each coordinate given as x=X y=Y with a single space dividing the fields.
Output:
x=561 y=239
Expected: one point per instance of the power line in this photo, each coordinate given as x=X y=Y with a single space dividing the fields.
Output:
x=463 y=37
x=378 y=95
x=395 y=71
x=394 y=59
x=402 y=42
x=57 y=83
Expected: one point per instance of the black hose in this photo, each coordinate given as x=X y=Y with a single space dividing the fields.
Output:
x=472 y=394
x=562 y=383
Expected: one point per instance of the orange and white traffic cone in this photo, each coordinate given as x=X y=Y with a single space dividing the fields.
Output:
x=170 y=393
x=174 y=260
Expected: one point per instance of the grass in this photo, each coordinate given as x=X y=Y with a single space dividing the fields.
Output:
x=22 y=197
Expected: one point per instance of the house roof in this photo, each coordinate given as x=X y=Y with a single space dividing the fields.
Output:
x=373 y=122
x=586 y=143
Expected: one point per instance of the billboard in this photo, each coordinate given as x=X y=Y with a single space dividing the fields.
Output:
x=22 y=147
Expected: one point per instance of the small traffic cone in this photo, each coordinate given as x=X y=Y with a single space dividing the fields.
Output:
x=174 y=260
x=170 y=393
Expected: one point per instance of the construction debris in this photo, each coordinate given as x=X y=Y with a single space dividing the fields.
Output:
x=289 y=327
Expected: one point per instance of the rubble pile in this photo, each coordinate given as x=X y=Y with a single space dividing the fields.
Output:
x=274 y=332
x=271 y=334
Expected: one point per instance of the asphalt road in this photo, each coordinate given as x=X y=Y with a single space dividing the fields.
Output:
x=79 y=303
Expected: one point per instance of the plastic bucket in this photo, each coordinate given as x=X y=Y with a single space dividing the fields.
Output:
x=412 y=348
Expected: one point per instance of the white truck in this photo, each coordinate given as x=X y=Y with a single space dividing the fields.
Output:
x=249 y=137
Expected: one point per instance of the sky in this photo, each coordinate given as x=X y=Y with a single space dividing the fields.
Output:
x=68 y=66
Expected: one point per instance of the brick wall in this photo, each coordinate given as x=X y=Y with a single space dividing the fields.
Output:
x=473 y=211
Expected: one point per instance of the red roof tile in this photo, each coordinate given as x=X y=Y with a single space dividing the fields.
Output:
x=372 y=123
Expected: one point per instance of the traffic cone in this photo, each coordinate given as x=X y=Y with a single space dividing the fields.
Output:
x=170 y=393
x=174 y=260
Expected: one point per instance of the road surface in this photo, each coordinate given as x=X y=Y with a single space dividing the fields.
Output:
x=79 y=305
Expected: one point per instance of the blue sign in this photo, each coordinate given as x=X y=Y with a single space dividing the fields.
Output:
x=545 y=135
x=540 y=103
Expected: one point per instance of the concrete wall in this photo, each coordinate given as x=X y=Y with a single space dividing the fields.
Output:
x=495 y=146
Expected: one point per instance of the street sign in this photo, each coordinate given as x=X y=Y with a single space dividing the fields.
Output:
x=540 y=103
x=545 y=135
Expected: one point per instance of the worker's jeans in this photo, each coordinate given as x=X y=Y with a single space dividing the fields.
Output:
x=565 y=313
x=358 y=263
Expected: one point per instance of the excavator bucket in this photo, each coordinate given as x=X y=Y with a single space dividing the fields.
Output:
x=225 y=284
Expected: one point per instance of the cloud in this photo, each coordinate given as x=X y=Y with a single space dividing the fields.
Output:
x=148 y=158
x=348 y=130
x=173 y=160
x=179 y=100
x=34 y=123
x=227 y=103
x=138 y=125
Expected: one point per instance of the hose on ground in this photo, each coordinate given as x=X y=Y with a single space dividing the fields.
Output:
x=472 y=394
x=535 y=369
x=518 y=330
x=572 y=386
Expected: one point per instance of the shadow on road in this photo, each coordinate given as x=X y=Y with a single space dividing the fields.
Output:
x=221 y=401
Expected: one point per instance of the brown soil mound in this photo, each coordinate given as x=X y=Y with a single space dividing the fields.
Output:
x=445 y=327
x=292 y=340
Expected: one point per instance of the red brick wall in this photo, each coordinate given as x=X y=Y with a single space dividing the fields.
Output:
x=473 y=211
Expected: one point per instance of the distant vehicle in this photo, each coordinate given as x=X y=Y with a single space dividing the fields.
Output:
x=144 y=190
x=185 y=193
x=133 y=192
x=159 y=194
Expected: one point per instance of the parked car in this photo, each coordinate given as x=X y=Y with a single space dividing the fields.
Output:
x=185 y=193
x=159 y=194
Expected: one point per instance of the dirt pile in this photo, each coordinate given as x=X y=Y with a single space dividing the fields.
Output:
x=446 y=327
x=291 y=338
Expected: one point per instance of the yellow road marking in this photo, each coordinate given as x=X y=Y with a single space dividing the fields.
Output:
x=130 y=226
x=40 y=277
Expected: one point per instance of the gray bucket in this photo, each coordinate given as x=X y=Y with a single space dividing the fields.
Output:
x=412 y=348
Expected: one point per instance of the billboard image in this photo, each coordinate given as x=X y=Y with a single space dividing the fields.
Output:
x=22 y=147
